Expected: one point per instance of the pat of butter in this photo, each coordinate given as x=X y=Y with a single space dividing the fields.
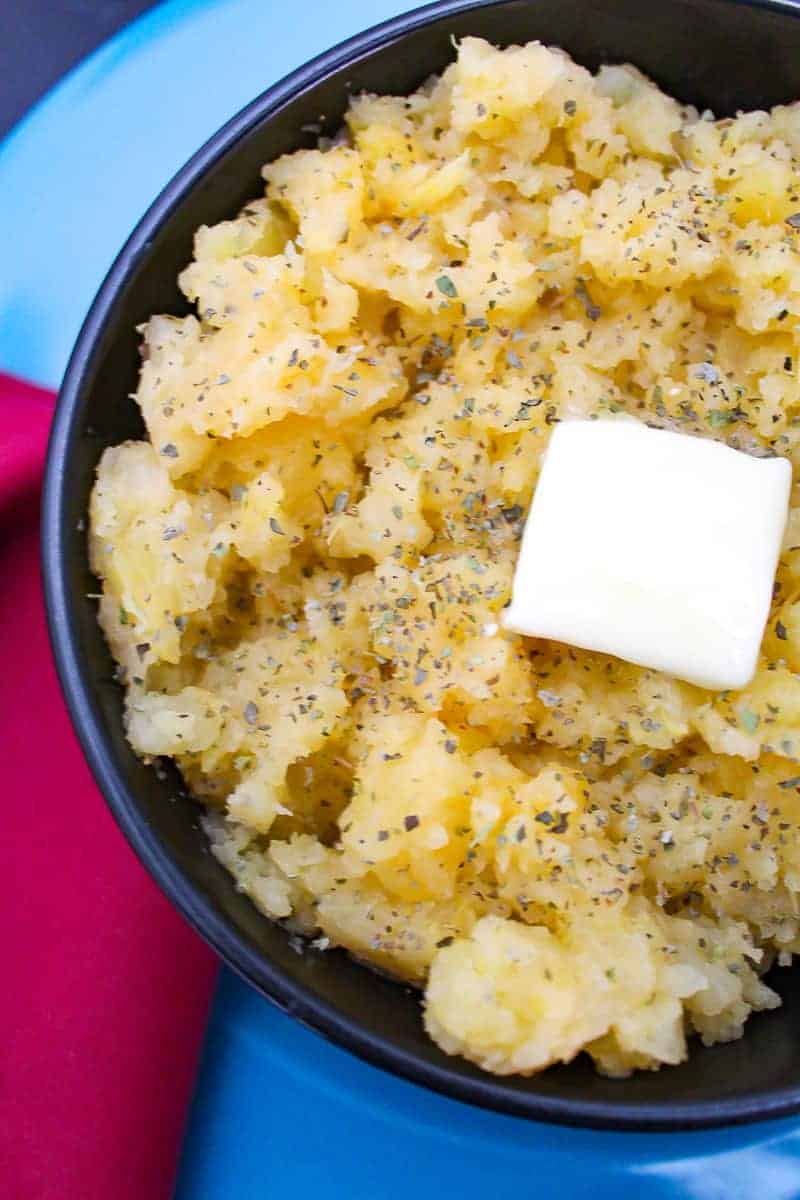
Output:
x=657 y=547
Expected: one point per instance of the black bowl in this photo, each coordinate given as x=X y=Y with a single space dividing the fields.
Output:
x=722 y=54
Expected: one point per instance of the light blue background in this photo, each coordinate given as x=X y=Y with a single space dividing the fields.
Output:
x=276 y=1107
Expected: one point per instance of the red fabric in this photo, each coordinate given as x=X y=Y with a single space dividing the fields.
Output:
x=105 y=990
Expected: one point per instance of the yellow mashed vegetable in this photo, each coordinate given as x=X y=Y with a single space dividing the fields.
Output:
x=305 y=565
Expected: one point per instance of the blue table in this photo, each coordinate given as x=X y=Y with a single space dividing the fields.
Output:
x=276 y=1108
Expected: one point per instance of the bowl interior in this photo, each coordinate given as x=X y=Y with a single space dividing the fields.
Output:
x=713 y=53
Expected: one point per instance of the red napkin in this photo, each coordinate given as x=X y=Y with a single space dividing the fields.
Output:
x=105 y=990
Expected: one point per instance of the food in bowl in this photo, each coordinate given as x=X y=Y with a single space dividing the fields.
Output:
x=306 y=564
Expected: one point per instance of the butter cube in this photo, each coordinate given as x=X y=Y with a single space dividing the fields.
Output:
x=657 y=547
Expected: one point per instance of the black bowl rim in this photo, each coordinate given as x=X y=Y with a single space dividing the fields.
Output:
x=74 y=676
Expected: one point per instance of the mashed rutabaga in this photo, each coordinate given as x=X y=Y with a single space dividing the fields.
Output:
x=304 y=566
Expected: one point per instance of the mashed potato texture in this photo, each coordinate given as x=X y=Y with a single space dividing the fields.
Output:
x=305 y=564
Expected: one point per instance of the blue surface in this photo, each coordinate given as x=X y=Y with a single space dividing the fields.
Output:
x=276 y=1107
